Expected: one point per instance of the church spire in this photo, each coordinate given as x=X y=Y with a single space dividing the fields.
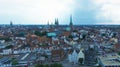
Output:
x=11 y=23
x=48 y=23
x=71 y=23
x=57 y=22
x=71 y=19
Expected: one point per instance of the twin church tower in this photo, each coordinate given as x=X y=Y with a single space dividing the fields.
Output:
x=57 y=21
x=70 y=24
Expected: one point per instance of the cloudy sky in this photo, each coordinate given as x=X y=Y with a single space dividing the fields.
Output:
x=42 y=11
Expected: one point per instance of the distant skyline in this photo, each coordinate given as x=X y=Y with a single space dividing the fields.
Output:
x=42 y=11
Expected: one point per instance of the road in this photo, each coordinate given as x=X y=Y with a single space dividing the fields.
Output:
x=66 y=63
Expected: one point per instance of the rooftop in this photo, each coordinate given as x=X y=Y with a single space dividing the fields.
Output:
x=110 y=59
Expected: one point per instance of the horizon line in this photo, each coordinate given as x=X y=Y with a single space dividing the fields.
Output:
x=61 y=24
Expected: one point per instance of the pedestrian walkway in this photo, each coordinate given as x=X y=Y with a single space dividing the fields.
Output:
x=65 y=63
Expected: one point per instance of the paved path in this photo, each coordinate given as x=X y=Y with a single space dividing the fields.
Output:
x=66 y=63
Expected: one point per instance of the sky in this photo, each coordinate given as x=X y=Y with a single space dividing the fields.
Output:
x=44 y=11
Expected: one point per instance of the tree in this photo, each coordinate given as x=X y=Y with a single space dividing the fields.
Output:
x=5 y=38
x=114 y=34
x=46 y=65
x=103 y=34
x=56 y=65
x=20 y=34
x=80 y=60
x=9 y=46
x=46 y=56
x=118 y=53
x=70 y=36
x=14 y=62
x=75 y=31
x=99 y=66
x=84 y=36
x=91 y=49
x=40 y=33
x=39 y=65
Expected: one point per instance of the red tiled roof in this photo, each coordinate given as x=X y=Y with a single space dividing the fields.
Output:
x=66 y=33
x=57 y=52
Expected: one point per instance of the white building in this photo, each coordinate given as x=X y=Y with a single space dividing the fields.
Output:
x=2 y=41
x=109 y=60
x=21 y=38
x=74 y=57
x=91 y=46
x=2 y=46
x=7 y=51
x=81 y=55
x=72 y=43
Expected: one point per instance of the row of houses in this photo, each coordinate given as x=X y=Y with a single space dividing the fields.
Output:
x=74 y=57
x=19 y=51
